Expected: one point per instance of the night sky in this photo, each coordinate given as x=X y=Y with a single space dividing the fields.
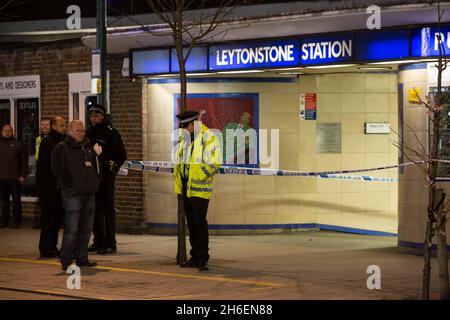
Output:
x=22 y=10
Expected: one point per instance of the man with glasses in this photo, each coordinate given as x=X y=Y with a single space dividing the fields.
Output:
x=113 y=155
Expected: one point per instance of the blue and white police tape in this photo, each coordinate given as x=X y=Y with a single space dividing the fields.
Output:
x=167 y=167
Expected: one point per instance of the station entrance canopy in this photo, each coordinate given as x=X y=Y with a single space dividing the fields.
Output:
x=350 y=47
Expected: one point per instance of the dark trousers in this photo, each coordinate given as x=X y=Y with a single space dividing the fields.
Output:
x=79 y=217
x=11 y=187
x=105 y=214
x=196 y=210
x=52 y=213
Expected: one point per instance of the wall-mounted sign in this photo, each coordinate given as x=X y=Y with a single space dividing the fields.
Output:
x=425 y=42
x=328 y=138
x=352 y=47
x=377 y=127
x=20 y=86
x=414 y=95
x=96 y=63
x=308 y=106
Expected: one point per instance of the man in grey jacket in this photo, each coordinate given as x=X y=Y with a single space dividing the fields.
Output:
x=13 y=173
x=75 y=166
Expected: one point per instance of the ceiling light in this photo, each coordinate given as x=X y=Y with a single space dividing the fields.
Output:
x=374 y=68
x=332 y=66
x=395 y=62
x=240 y=71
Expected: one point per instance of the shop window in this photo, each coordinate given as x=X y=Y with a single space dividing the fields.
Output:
x=76 y=106
x=27 y=129
x=90 y=100
x=5 y=112
x=444 y=139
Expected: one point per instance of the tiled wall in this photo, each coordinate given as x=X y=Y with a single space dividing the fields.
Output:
x=413 y=191
x=350 y=99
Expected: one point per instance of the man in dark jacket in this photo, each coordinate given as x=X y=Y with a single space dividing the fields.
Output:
x=49 y=196
x=74 y=164
x=113 y=156
x=13 y=173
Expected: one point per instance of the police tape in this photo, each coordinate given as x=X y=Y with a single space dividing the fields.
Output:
x=167 y=167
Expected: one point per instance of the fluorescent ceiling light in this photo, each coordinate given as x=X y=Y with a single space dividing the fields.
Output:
x=240 y=71
x=374 y=68
x=200 y=74
x=291 y=73
x=287 y=69
x=332 y=66
x=168 y=75
x=395 y=62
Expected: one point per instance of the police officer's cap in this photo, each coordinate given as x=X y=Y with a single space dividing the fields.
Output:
x=96 y=108
x=187 y=117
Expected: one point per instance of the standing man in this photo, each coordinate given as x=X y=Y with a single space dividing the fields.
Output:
x=45 y=131
x=198 y=159
x=74 y=164
x=13 y=173
x=49 y=196
x=113 y=156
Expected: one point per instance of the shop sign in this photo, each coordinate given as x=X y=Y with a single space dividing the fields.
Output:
x=20 y=86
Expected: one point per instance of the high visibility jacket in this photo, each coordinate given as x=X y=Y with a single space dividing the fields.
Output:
x=38 y=143
x=197 y=161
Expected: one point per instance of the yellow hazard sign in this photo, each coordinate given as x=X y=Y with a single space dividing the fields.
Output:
x=414 y=95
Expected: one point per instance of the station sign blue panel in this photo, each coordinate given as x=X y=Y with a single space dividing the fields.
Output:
x=382 y=45
x=278 y=53
x=327 y=49
x=425 y=43
x=150 y=62
x=197 y=61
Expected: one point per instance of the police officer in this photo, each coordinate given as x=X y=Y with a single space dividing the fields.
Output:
x=111 y=159
x=198 y=158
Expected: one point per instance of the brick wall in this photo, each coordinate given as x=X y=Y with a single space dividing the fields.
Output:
x=53 y=62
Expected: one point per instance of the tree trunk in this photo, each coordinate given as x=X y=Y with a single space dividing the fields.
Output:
x=441 y=239
x=427 y=259
x=181 y=254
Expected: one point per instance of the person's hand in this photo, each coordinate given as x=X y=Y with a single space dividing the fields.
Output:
x=22 y=180
x=203 y=112
x=98 y=149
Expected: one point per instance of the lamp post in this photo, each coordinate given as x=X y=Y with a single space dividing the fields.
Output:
x=101 y=44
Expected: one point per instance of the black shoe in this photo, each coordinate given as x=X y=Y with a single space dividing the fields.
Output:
x=92 y=248
x=203 y=266
x=87 y=264
x=108 y=250
x=189 y=264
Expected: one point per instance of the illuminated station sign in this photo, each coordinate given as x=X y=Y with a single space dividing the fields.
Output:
x=350 y=47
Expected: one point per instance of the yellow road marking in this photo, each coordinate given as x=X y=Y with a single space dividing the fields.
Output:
x=157 y=273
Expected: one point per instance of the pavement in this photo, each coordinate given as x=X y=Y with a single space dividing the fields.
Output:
x=297 y=266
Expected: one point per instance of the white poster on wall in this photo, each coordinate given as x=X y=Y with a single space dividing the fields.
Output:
x=21 y=86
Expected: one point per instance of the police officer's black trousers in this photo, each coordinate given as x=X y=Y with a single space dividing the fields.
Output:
x=196 y=210
x=105 y=214
x=52 y=213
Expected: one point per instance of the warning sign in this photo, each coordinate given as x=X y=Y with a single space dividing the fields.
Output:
x=308 y=106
